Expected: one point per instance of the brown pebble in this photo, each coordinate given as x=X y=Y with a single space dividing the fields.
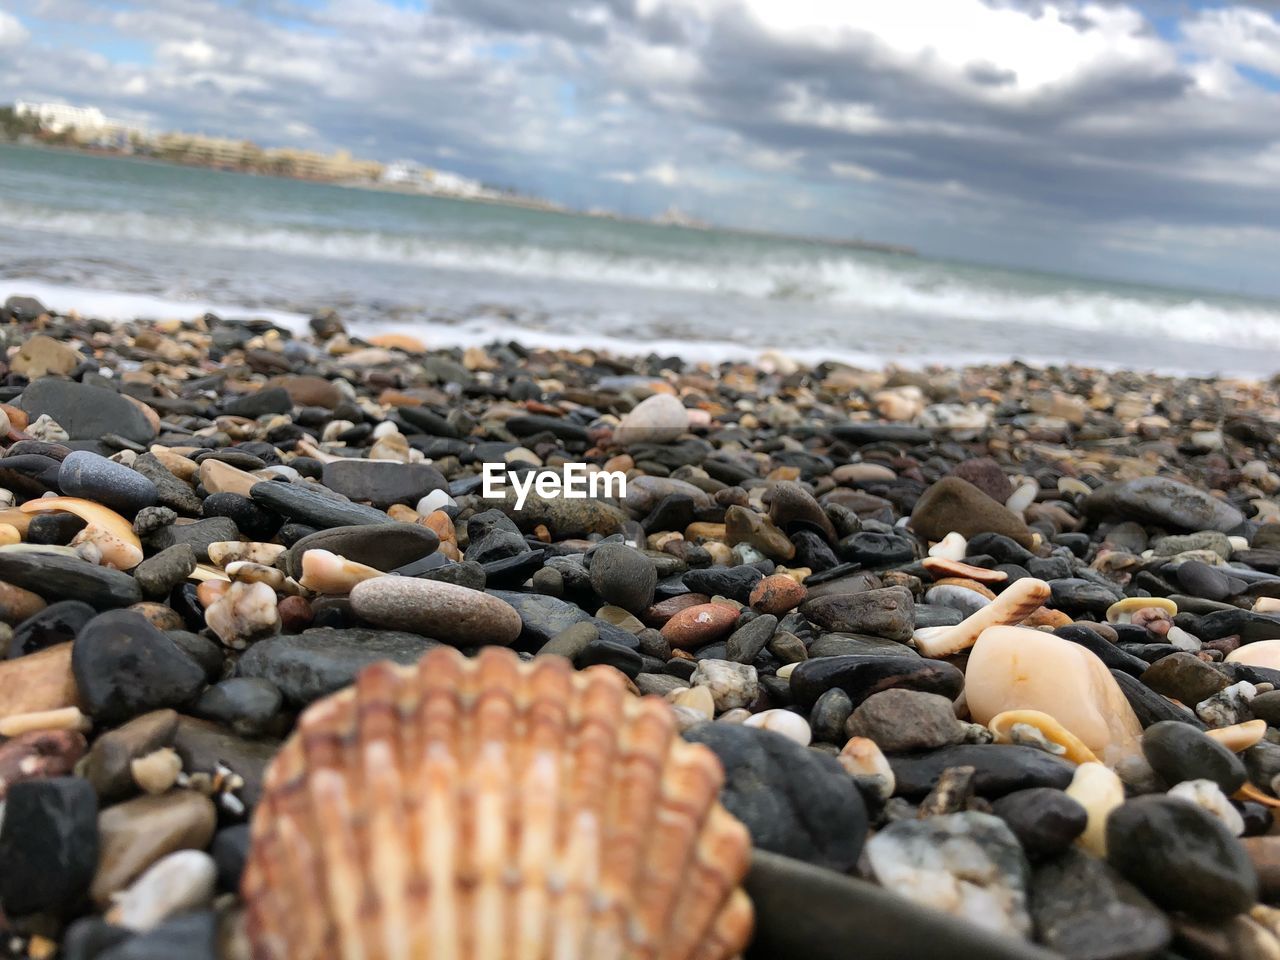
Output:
x=295 y=614
x=160 y=615
x=137 y=833
x=16 y=604
x=699 y=625
x=777 y=594
x=658 y=614
x=38 y=681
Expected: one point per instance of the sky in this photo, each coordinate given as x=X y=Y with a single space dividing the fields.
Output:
x=1133 y=140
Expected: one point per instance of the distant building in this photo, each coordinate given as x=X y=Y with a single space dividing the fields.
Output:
x=88 y=125
x=403 y=172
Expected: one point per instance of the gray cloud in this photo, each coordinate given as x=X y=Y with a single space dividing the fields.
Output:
x=1056 y=132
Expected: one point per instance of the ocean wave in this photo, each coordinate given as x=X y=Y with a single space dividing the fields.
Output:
x=867 y=286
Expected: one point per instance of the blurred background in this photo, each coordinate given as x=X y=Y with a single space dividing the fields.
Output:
x=915 y=180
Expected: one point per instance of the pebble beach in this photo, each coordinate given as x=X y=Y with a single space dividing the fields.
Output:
x=995 y=646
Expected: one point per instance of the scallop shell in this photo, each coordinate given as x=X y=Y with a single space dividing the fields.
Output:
x=489 y=808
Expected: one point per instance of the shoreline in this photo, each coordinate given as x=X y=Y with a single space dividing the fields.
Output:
x=923 y=620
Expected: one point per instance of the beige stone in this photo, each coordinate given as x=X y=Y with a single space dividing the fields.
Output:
x=43 y=356
x=219 y=477
x=135 y=834
x=37 y=682
x=1013 y=668
x=1261 y=653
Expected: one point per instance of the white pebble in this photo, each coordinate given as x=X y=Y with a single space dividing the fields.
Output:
x=790 y=725
x=1023 y=497
x=435 y=500
x=1209 y=797
x=177 y=883
x=1099 y=791
x=1182 y=640
x=951 y=547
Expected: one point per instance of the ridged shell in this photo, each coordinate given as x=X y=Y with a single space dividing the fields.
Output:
x=489 y=808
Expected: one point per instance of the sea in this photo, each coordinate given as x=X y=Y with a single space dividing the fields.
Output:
x=117 y=238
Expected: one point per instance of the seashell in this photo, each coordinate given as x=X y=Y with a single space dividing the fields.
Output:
x=1004 y=728
x=1122 y=611
x=1239 y=736
x=223 y=552
x=489 y=808
x=945 y=567
x=105 y=529
x=326 y=572
x=1209 y=796
x=246 y=571
x=1020 y=599
x=204 y=573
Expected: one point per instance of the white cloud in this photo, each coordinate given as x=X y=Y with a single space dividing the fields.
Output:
x=12 y=32
x=1240 y=35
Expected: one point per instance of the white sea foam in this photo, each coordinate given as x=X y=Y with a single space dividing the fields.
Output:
x=823 y=276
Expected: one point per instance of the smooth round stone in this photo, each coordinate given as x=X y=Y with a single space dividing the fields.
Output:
x=1182 y=857
x=48 y=845
x=250 y=519
x=1178 y=752
x=1262 y=653
x=904 y=721
x=1045 y=821
x=825 y=823
x=623 y=577
x=792 y=507
x=88 y=475
x=829 y=715
x=245 y=704
x=873 y=549
x=1201 y=580
x=124 y=666
x=1086 y=911
x=788 y=724
x=441 y=611
x=658 y=419
x=1184 y=677
x=1015 y=668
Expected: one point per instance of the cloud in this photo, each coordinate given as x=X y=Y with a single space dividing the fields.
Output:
x=1066 y=133
x=12 y=32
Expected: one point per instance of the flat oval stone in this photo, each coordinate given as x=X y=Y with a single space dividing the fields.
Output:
x=306 y=504
x=862 y=676
x=442 y=611
x=1261 y=653
x=57 y=577
x=138 y=832
x=997 y=769
x=1015 y=668
x=315 y=663
x=382 y=482
x=1044 y=820
x=887 y=612
x=1163 y=502
x=85 y=474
